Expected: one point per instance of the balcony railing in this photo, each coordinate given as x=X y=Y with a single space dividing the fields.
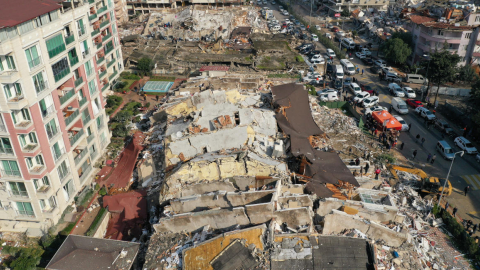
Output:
x=11 y=173
x=70 y=39
x=34 y=62
x=61 y=74
x=63 y=174
x=67 y=96
x=99 y=45
x=102 y=9
x=57 y=50
x=81 y=31
x=48 y=111
x=85 y=173
x=16 y=98
x=92 y=17
x=6 y=151
x=37 y=169
x=100 y=60
x=107 y=36
x=23 y=124
x=72 y=117
x=105 y=87
x=58 y=154
x=31 y=147
x=78 y=81
x=43 y=189
x=83 y=102
x=95 y=32
x=77 y=136
x=86 y=53
x=113 y=75
x=109 y=64
x=108 y=50
x=90 y=138
x=80 y=156
x=40 y=86
x=51 y=134
x=102 y=74
x=86 y=119
x=104 y=23
x=73 y=61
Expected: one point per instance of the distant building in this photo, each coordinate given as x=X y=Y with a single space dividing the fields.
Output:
x=337 y=6
x=146 y=6
x=57 y=58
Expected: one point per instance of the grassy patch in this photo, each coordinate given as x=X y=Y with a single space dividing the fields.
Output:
x=129 y=76
x=299 y=58
x=68 y=229
x=162 y=79
x=124 y=85
x=95 y=222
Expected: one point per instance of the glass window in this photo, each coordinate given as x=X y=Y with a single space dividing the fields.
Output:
x=92 y=86
x=55 y=45
x=39 y=82
x=81 y=27
x=29 y=162
x=62 y=170
x=18 y=189
x=39 y=160
x=32 y=56
x=52 y=201
x=51 y=128
x=26 y=139
x=5 y=146
x=53 y=15
x=25 y=27
x=68 y=189
x=8 y=93
x=10 y=62
x=42 y=203
x=1 y=65
x=25 y=114
x=25 y=209
x=45 y=19
x=60 y=69
x=10 y=167
x=88 y=68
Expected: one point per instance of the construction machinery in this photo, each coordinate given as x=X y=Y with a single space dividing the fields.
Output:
x=423 y=183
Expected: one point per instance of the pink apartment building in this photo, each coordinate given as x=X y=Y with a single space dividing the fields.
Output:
x=57 y=59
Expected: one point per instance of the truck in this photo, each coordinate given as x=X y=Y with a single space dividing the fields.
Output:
x=429 y=186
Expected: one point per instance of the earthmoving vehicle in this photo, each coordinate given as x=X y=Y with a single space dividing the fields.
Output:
x=424 y=184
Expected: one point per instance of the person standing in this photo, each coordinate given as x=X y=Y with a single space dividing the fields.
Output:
x=409 y=127
x=423 y=141
x=367 y=166
x=429 y=157
x=157 y=98
x=414 y=154
x=377 y=172
x=417 y=138
x=357 y=161
x=467 y=188
x=362 y=71
x=446 y=206
x=402 y=145
x=433 y=158
x=454 y=211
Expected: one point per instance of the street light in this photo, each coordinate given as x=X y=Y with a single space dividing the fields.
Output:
x=448 y=174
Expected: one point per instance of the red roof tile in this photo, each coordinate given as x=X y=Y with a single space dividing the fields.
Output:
x=420 y=19
x=214 y=68
x=14 y=12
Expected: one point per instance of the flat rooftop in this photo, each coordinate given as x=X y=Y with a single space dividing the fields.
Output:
x=157 y=87
x=14 y=12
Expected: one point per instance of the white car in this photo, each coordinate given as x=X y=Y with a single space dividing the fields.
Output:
x=329 y=97
x=314 y=37
x=380 y=63
x=370 y=101
x=331 y=53
x=375 y=109
x=361 y=96
x=316 y=57
x=464 y=144
x=396 y=90
x=327 y=35
x=409 y=92
x=318 y=27
x=285 y=13
x=425 y=113
x=354 y=88
x=366 y=51
x=360 y=55
x=404 y=124
x=318 y=62
x=389 y=70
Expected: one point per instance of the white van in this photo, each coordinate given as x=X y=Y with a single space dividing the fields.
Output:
x=399 y=105
x=415 y=78
x=339 y=71
x=330 y=96
x=276 y=28
x=348 y=67
x=348 y=43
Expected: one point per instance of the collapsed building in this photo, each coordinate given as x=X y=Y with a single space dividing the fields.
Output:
x=246 y=178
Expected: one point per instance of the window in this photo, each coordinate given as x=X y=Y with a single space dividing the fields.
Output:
x=68 y=189
x=44 y=19
x=42 y=204
x=33 y=162
x=41 y=184
x=28 y=140
x=118 y=54
x=51 y=128
x=1 y=65
x=60 y=69
x=467 y=35
x=477 y=18
x=55 y=45
x=25 y=209
x=10 y=62
x=12 y=90
x=52 y=201
x=440 y=33
x=22 y=116
x=88 y=68
x=92 y=86
x=96 y=106
x=93 y=150
x=81 y=28
x=84 y=48
x=10 y=168
x=53 y=15
x=46 y=106
x=25 y=27
x=32 y=57
x=99 y=122
x=57 y=150
x=18 y=189
x=5 y=146
x=73 y=57
x=114 y=28
x=39 y=82
x=62 y=170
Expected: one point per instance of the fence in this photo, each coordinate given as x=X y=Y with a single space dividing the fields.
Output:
x=449 y=91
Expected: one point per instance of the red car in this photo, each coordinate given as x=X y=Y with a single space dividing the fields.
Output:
x=414 y=103
x=366 y=88
x=335 y=29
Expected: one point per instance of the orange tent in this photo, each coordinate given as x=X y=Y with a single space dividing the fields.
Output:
x=386 y=120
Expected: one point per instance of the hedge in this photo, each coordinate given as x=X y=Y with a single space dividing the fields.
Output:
x=96 y=221
x=321 y=38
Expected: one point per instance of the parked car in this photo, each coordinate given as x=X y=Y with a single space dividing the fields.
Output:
x=302 y=27
x=335 y=29
x=319 y=61
x=367 y=61
x=317 y=57
x=376 y=69
x=464 y=144
x=304 y=46
x=329 y=97
x=331 y=53
x=366 y=88
x=329 y=69
x=404 y=124
x=328 y=35
x=366 y=51
x=443 y=126
x=390 y=77
x=380 y=63
x=409 y=92
x=414 y=103
x=338 y=84
x=389 y=70
x=360 y=97
x=314 y=37
x=318 y=27
x=396 y=90
x=425 y=113
x=347 y=81
x=285 y=13
x=360 y=55
x=375 y=108
x=354 y=88
x=370 y=101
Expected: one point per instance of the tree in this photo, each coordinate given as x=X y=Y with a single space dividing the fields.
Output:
x=120 y=130
x=345 y=13
x=123 y=116
x=405 y=36
x=442 y=68
x=145 y=64
x=467 y=74
x=28 y=260
x=475 y=93
x=396 y=51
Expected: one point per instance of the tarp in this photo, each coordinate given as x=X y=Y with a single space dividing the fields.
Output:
x=385 y=119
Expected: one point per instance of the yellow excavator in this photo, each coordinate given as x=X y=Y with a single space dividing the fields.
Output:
x=427 y=185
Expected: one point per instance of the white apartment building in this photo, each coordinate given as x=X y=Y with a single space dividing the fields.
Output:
x=57 y=58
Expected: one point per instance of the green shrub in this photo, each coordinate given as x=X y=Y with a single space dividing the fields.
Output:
x=120 y=130
x=113 y=101
x=103 y=191
x=129 y=76
x=162 y=79
x=28 y=259
x=66 y=231
x=123 y=116
x=121 y=85
x=299 y=58
x=95 y=222
x=386 y=158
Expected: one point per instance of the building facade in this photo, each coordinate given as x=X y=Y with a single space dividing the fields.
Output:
x=56 y=62
x=146 y=6
x=337 y=6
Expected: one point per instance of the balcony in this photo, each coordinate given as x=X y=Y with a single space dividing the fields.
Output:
x=24 y=124
x=102 y=74
x=11 y=173
x=95 y=32
x=108 y=50
x=6 y=151
x=90 y=138
x=80 y=156
x=50 y=110
x=99 y=45
x=100 y=60
x=86 y=53
x=107 y=36
x=93 y=155
x=64 y=72
x=101 y=10
x=86 y=118
x=82 y=102
x=85 y=170
x=69 y=39
x=75 y=137
x=109 y=64
x=9 y=76
x=30 y=148
x=67 y=96
x=81 y=31
x=37 y=169
x=105 y=87
x=74 y=61
x=72 y=116
x=52 y=134
x=63 y=174
x=56 y=51
x=49 y=210
x=78 y=81
x=40 y=86
x=113 y=75
x=34 y=62
x=43 y=189
x=104 y=23
x=92 y=17
x=57 y=154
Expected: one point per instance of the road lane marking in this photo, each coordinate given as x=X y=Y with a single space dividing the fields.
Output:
x=473 y=180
